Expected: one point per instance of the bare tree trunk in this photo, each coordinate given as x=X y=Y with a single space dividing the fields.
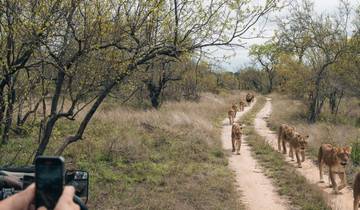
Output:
x=21 y=120
x=87 y=118
x=154 y=94
x=50 y=122
x=2 y=102
x=332 y=101
x=9 y=113
x=271 y=81
x=314 y=110
x=338 y=104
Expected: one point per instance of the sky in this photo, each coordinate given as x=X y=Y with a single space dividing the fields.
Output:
x=238 y=58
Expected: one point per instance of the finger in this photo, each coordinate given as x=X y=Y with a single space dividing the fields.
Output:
x=23 y=199
x=32 y=207
x=68 y=193
x=42 y=208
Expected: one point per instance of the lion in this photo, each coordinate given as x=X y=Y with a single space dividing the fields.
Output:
x=356 y=191
x=231 y=115
x=249 y=98
x=336 y=158
x=241 y=105
x=235 y=108
x=236 y=133
x=297 y=143
x=285 y=133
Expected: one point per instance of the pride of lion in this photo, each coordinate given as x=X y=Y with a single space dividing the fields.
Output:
x=335 y=158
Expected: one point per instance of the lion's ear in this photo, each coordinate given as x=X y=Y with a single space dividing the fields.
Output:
x=338 y=150
x=307 y=136
x=348 y=149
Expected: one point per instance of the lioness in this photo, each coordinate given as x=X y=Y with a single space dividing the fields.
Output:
x=231 y=115
x=336 y=158
x=236 y=133
x=249 y=98
x=356 y=191
x=235 y=108
x=298 y=143
x=241 y=105
x=285 y=133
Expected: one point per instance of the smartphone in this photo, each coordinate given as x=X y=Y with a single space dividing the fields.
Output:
x=49 y=180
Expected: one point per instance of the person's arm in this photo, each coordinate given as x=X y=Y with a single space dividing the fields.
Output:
x=23 y=200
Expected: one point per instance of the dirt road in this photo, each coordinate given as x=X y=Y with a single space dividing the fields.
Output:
x=258 y=192
x=309 y=170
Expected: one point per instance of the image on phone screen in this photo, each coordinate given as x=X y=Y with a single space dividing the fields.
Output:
x=49 y=184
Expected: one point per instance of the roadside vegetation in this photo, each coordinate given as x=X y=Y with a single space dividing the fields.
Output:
x=169 y=158
x=289 y=183
x=342 y=130
x=310 y=68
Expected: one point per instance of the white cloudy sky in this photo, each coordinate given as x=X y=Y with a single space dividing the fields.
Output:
x=239 y=57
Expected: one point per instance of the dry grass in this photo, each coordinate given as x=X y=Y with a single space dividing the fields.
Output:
x=289 y=182
x=166 y=159
x=293 y=112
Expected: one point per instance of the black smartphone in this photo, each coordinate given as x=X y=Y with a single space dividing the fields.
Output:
x=49 y=180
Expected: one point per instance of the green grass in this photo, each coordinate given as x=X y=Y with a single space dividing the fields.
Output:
x=355 y=153
x=301 y=194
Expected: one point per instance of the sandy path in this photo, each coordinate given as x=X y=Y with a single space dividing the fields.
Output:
x=309 y=170
x=257 y=190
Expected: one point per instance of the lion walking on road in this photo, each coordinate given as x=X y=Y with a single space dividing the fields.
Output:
x=236 y=134
x=336 y=158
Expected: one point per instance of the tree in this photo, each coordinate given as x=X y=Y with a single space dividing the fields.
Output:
x=78 y=52
x=251 y=78
x=145 y=31
x=22 y=27
x=325 y=39
x=267 y=55
x=159 y=76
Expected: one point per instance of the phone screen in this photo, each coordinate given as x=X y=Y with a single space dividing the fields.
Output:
x=49 y=182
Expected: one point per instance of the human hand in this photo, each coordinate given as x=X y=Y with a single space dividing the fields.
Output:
x=20 y=201
x=66 y=200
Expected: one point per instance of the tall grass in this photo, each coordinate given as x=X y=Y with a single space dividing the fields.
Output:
x=149 y=159
x=341 y=133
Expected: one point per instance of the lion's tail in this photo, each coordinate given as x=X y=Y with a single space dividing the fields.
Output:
x=279 y=138
x=357 y=186
x=280 y=132
x=320 y=155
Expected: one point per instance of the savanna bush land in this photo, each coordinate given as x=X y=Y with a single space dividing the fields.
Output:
x=125 y=90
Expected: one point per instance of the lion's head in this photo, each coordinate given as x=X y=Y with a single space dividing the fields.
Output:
x=343 y=154
x=302 y=140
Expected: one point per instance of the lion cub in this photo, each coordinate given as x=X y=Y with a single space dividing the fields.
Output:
x=231 y=115
x=236 y=133
x=356 y=191
x=336 y=158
